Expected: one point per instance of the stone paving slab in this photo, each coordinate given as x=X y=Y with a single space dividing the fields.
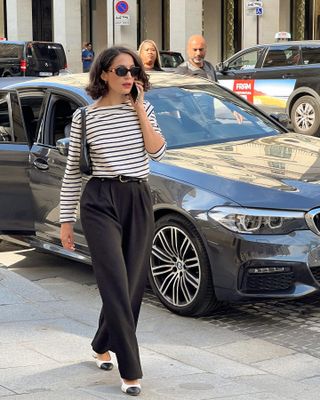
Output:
x=74 y=394
x=23 y=289
x=251 y=350
x=38 y=330
x=26 y=312
x=206 y=361
x=196 y=386
x=298 y=390
x=296 y=366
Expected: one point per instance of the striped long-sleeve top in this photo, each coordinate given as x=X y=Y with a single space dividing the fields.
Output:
x=116 y=148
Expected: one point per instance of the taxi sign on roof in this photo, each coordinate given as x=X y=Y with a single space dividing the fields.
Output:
x=282 y=36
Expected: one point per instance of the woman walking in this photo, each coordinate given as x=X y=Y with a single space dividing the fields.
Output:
x=115 y=207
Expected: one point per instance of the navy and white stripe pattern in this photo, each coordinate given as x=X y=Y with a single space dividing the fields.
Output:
x=116 y=148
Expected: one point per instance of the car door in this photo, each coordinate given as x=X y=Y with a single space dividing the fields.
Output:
x=16 y=200
x=276 y=77
x=238 y=73
x=49 y=166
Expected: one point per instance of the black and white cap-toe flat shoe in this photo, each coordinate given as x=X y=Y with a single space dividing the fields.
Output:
x=132 y=390
x=105 y=365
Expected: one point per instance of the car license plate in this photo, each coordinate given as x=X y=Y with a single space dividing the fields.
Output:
x=45 y=73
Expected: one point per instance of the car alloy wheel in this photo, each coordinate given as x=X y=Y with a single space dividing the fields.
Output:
x=305 y=116
x=179 y=268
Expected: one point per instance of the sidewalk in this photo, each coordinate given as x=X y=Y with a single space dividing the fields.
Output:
x=45 y=354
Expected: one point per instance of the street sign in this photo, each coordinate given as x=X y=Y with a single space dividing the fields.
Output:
x=120 y=19
x=122 y=7
x=254 y=4
x=259 y=11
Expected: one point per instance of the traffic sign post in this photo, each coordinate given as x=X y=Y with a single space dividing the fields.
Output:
x=255 y=8
x=120 y=16
x=122 y=7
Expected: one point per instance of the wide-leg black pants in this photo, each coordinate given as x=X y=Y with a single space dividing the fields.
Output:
x=118 y=224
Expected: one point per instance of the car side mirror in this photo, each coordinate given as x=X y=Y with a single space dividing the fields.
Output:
x=282 y=118
x=222 y=67
x=63 y=146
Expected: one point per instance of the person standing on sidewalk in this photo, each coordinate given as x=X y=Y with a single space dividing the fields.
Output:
x=87 y=56
x=116 y=205
x=196 y=64
x=150 y=56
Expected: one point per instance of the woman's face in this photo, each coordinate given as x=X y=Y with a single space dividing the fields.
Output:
x=120 y=84
x=148 y=54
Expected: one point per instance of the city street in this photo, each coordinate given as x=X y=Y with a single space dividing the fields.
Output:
x=48 y=313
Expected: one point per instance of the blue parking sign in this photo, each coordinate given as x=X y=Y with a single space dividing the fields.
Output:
x=259 y=10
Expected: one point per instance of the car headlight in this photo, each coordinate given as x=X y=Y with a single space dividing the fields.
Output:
x=258 y=221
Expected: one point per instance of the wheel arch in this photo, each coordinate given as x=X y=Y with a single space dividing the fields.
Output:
x=160 y=212
x=302 y=91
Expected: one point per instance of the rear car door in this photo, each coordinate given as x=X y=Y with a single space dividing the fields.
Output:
x=276 y=77
x=16 y=200
x=265 y=76
x=49 y=166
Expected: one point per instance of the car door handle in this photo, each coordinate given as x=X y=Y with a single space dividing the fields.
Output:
x=41 y=164
x=248 y=76
x=285 y=76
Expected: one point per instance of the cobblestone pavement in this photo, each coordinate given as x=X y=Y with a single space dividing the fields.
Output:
x=294 y=324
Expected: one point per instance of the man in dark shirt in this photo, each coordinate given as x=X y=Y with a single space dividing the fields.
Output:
x=196 y=64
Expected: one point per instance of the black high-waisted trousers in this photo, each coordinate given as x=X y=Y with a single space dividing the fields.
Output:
x=118 y=224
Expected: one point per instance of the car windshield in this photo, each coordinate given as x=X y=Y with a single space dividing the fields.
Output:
x=199 y=115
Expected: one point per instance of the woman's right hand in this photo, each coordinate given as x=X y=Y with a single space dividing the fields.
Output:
x=66 y=236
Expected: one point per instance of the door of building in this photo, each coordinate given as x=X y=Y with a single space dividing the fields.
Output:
x=42 y=20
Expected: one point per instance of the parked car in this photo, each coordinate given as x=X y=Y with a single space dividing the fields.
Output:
x=31 y=58
x=170 y=59
x=236 y=198
x=279 y=77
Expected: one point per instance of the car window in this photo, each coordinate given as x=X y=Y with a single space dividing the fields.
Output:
x=6 y=132
x=197 y=117
x=282 y=56
x=310 y=55
x=11 y=120
x=172 y=60
x=246 y=61
x=49 y=51
x=11 y=50
x=60 y=114
x=31 y=104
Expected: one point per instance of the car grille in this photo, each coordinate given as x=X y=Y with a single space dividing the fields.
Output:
x=316 y=273
x=313 y=220
x=253 y=283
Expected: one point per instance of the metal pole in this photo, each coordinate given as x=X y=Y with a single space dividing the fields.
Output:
x=258 y=40
x=113 y=27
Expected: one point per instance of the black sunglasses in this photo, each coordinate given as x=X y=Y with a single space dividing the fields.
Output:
x=122 y=70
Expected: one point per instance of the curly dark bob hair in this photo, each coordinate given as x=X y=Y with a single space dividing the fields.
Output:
x=97 y=87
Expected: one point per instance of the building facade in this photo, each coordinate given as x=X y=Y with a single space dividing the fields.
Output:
x=228 y=25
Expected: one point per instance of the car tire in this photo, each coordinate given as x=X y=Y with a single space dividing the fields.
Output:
x=180 y=273
x=305 y=116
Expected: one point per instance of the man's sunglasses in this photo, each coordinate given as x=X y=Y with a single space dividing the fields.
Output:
x=122 y=71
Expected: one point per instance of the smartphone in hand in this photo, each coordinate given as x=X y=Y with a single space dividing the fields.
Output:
x=134 y=92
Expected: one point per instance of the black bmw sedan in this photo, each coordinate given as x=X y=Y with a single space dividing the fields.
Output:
x=236 y=198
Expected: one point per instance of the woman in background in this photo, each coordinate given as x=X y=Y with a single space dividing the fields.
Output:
x=150 y=56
